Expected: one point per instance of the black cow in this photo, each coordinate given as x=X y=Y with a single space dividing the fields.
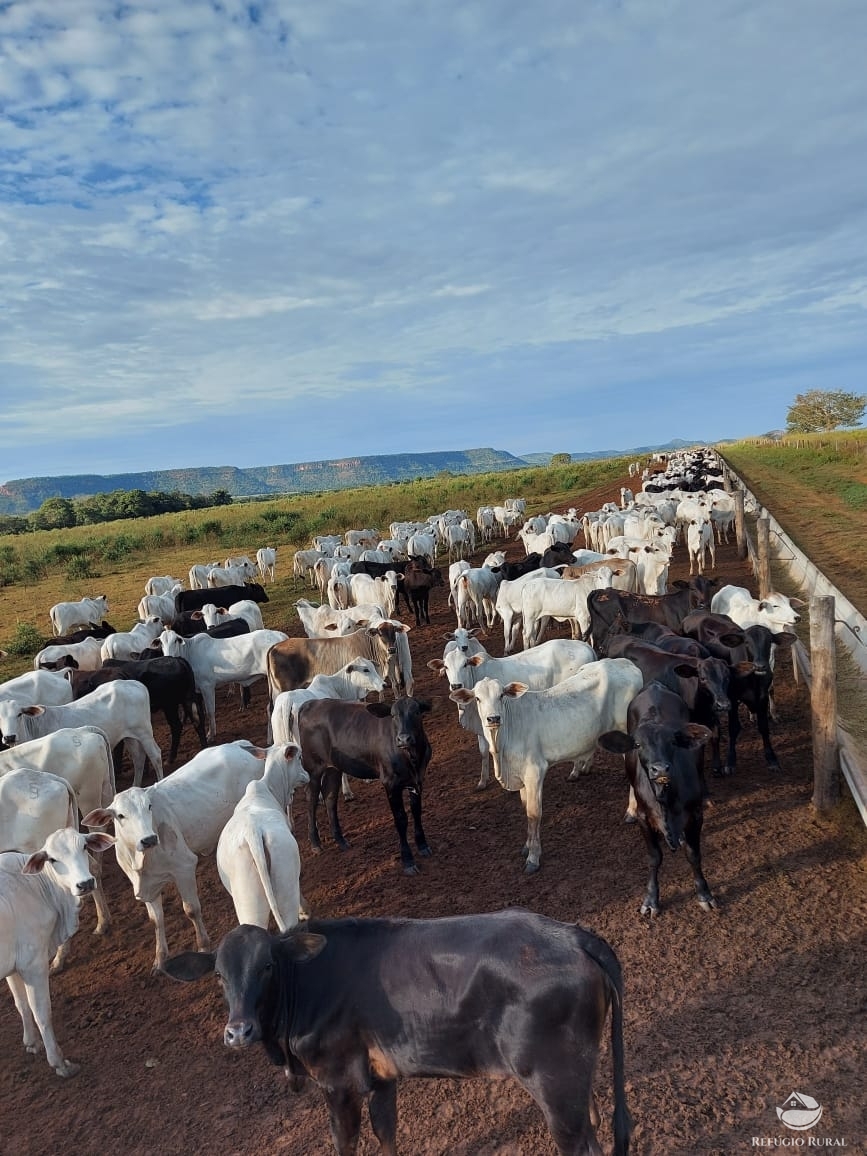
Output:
x=606 y=606
x=702 y=682
x=102 y=631
x=661 y=755
x=417 y=585
x=368 y=741
x=748 y=651
x=171 y=686
x=356 y=1004
x=222 y=596
x=512 y=570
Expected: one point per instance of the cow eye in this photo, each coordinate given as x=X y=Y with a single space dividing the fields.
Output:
x=119 y=818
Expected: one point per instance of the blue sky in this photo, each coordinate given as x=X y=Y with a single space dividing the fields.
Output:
x=269 y=232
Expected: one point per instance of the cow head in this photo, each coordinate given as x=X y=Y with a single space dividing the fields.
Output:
x=64 y=853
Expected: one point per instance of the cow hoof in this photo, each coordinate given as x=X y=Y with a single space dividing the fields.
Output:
x=102 y=930
x=629 y=818
x=530 y=868
x=649 y=908
x=425 y=851
x=410 y=869
x=342 y=845
x=707 y=904
x=315 y=850
x=481 y=786
x=67 y=1069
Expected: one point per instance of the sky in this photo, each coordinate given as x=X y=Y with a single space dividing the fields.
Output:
x=268 y=232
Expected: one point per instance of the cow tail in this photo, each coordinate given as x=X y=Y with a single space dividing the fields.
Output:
x=260 y=859
x=600 y=952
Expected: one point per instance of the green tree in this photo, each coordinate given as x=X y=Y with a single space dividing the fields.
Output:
x=54 y=514
x=561 y=460
x=822 y=410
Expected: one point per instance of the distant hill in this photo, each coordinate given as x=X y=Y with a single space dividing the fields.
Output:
x=24 y=495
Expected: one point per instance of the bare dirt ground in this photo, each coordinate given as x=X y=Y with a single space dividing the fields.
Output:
x=726 y=1013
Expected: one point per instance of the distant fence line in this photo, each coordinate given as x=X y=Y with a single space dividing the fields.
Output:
x=845 y=623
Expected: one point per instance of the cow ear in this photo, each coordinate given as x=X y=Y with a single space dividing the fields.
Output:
x=98 y=842
x=617 y=742
x=679 y=584
x=333 y=625
x=290 y=751
x=784 y=639
x=99 y=817
x=301 y=946
x=449 y=637
x=692 y=736
x=475 y=660
x=743 y=668
x=190 y=965
x=438 y=665
x=424 y=705
x=462 y=696
x=33 y=710
x=378 y=709
x=35 y=863
x=797 y=603
x=683 y=670
x=197 y=614
x=732 y=638
x=515 y=689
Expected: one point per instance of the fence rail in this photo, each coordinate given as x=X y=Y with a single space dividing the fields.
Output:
x=850 y=627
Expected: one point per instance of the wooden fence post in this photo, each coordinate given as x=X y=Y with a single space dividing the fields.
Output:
x=823 y=703
x=763 y=549
x=740 y=532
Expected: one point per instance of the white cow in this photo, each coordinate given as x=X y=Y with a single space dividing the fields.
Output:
x=323 y=622
x=160 y=606
x=508 y=603
x=423 y=546
x=539 y=668
x=529 y=731
x=162 y=584
x=66 y=616
x=46 y=686
x=476 y=595
x=231 y=575
x=266 y=560
x=365 y=590
x=257 y=857
x=198 y=575
x=563 y=601
x=40 y=895
x=85 y=655
x=121 y=708
x=246 y=609
x=652 y=563
x=776 y=612
x=216 y=661
x=352 y=683
x=130 y=643
x=162 y=829
x=699 y=541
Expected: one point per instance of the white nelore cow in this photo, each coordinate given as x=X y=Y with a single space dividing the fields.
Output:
x=564 y=601
x=266 y=560
x=529 y=731
x=162 y=829
x=246 y=609
x=257 y=856
x=85 y=655
x=40 y=895
x=323 y=622
x=700 y=540
x=162 y=584
x=539 y=668
x=231 y=575
x=160 y=606
x=82 y=756
x=352 y=683
x=216 y=661
x=508 y=603
x=198 y=574
x=121 y=708
x=50 y=687
x=130 y=643
x=776 y=612
x=66 y=616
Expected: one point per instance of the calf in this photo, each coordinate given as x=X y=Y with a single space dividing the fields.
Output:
x=417 y=585
x=342 y=1003
x=40 y=895
x=257 y=856
x=292 y=664
x=660 y=746
x=605 y=606
x=86 y=612
x=162 y=829
x=368 y=741
x=219 y=595
x=171 y=686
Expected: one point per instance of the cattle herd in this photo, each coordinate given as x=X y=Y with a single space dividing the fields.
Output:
x=653 y=670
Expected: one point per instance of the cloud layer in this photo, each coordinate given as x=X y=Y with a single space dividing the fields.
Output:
x=264 y=232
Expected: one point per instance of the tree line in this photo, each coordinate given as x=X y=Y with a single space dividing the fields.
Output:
x=61 y=513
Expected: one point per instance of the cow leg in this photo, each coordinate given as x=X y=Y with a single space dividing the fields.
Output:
x=764 y=730
x=32 y=1039
x=418 y=831
x=345 y=789
x=382 y=1107
x=197 y=717
x=398 y=811
x=103 y=916
x=172 y=715
x=314 y=789
x=140 y=750
x=734 y=731
x=531 y=797
x=485 y=752
x=650 y=903
x=330 y=791
x=157 y=917
x=566 y=1109
x=39 y=1000
x=692 y=845
x=185 y=881
x=344 y=1115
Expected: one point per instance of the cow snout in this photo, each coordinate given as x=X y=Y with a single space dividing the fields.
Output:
x=85 y=885
x=493 y=720
x=148 y=841
x=239 y=1034
x=455 y=686
x=404 y=741
x=659 y=774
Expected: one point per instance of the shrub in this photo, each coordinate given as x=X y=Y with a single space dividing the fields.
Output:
x=26 y=640
x=79 y=568
x=35 y=569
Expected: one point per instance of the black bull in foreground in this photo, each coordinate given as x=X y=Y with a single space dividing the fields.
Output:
x=357 y=1003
